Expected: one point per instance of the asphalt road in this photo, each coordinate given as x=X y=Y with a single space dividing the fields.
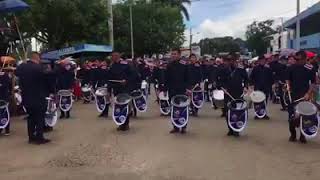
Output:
x=89 y=148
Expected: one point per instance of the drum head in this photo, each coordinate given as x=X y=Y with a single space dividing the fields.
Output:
x=218 y=94
x=306 y=108
x=136 y=94
x=163 y=96
x=258 y=96
x=180 y=101
x=122 y=99
x=85 y=89
x=101 y=92
x=238 y=104
x=64 y=93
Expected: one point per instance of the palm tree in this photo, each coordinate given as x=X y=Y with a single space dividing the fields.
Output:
x=180 y=4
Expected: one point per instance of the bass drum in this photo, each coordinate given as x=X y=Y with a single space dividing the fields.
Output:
x=4 y=114
x=139 y=100
x=218 y=98
x=51 y=116
x=197 y=97
x=165 y=107
x=102 y=99
x=259 y=103
x=121 y=108
x=237 y=115
x=65 y=100
x=306 y=112
x=180 y=110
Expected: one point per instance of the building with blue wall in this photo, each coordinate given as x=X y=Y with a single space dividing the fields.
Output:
x=310 y=29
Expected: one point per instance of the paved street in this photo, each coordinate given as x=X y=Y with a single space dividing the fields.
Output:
x=89 y=148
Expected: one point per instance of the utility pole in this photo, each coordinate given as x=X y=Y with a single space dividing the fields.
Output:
x=190 y=38
x=131 y=30
x=298 y=26
x=110 y=23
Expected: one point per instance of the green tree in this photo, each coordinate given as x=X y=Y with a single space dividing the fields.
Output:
x=214 y=46
x=157 y=27
x=258 y=36
x=59 y=23
x=180 y=4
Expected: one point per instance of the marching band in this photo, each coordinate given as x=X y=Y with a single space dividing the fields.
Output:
x=182 y=85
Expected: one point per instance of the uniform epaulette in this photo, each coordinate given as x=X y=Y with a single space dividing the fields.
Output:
x=183 y=62
x=123 y=62
x=267 y=65
x=308 y=66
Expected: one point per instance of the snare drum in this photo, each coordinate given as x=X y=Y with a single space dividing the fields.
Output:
x=218 y=98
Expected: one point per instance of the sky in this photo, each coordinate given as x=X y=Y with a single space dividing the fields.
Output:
x=216 y=18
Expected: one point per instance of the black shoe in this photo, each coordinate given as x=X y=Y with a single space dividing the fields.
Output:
x=236 y=134
x=266 y=117
x=103 y=115
x=215 y=107
x=256 y=118
x=48 y=129
x=303 y=140
x=126 y=128
x=230 y=133
x=173 y=131
x=292 y=139
x=283 y=109
x=119 y=128
x=42 y=141
x=183 y=131
x=62 y=116
x=223 y=115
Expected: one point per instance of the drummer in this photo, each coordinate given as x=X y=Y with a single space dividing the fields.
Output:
x=177 y=80
x=300 y=80
x=120 y=70
x=262 y=79
x=234 y=80
x=103 y=77
x=5 y=94
x=65 y=81
x=195 y=77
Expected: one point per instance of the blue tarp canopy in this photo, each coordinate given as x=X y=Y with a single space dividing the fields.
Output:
x=82 y=48
x=7 y=6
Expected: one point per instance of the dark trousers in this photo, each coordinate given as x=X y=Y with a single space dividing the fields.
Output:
x=35 y=122
x=293 y=123
x=7 y=129
x=283 y=105
x=65 y=114
x=105 y=112
x=126 y=123
x=227 y=99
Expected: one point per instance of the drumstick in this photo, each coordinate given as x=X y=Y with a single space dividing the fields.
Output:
x=225 y=91
x=117 y=81
x=298 y=100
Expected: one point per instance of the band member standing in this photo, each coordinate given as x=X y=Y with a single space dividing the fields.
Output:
x=32 y=83
x=212 y=77
x=159 y=78
x=235 y=81
x=120 y=70
x=177 y=80
x=103 y=82
x=262 y=79
x=300 y=81
x=5 y=94
x=195 y=77
x=65 y=81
